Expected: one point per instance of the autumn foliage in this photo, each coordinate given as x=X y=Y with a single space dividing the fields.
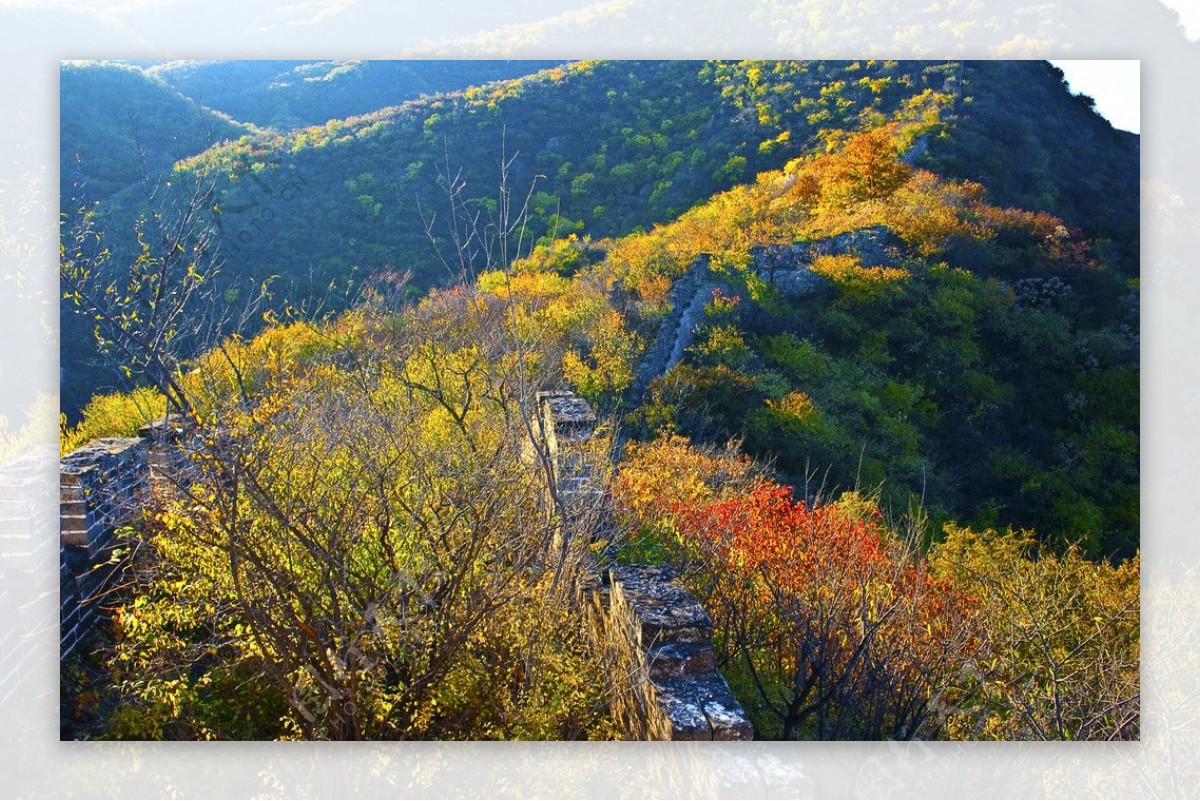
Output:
x=826 y=616
x=359 y=550
x=831 y=624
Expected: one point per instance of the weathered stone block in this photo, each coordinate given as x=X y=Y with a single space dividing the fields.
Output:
x=679 y=704
x=666 y=612
x=672 y=660
x=685 y=698
x=655 y=634
x=703 y=708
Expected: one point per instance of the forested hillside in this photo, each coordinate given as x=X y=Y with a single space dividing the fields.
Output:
x=120 y=127
x=292 y=94
x=604 y=148
x=1069 y=162
x=878 y=415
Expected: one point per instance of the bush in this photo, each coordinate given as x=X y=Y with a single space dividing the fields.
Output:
x=120 y=414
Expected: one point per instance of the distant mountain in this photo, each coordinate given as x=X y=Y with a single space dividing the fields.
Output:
x=291 y=94
x=1033 y=144
x=609 y=147
x=598 y=149
x=120 y=126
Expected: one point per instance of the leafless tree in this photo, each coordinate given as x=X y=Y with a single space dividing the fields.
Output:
x=361 y=535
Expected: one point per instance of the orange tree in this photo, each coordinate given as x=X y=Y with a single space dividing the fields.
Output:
x=826 y=623
x=825 y=616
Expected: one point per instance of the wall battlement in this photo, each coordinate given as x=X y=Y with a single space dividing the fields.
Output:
x=657 y=636
x=103 y=486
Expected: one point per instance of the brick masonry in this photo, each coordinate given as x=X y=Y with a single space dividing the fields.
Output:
x=673 y=691
x=657 y=637
x=102 y=486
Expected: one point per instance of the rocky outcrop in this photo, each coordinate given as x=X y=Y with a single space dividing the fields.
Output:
x=876 y=246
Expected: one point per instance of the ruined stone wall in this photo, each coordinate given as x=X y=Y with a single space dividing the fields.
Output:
x=687 y=297
x=102 y=486
x=568 y=424
x=657 y=639
x=785 y=267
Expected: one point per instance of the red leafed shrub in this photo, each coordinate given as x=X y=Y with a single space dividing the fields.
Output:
x=825 y=620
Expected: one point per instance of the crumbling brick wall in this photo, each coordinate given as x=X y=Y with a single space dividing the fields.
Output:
x=658 y=641
x=656 y=637
x=103 y=486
